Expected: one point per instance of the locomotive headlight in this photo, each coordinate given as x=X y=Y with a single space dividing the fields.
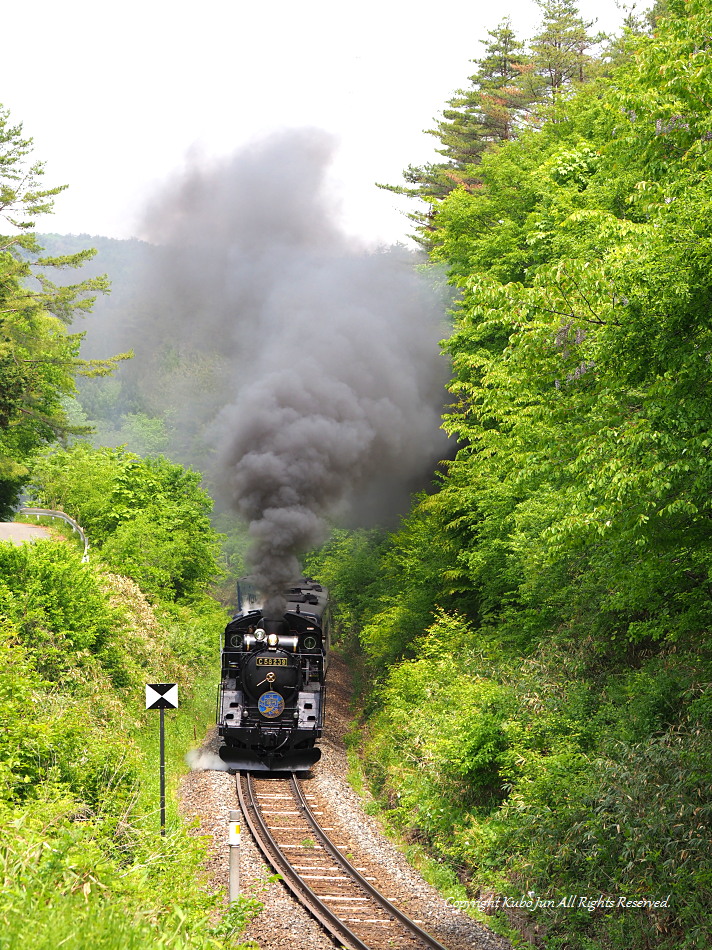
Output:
x=272 y=640
x=259 y=634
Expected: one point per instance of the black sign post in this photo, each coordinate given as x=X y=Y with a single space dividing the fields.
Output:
x=162 y=696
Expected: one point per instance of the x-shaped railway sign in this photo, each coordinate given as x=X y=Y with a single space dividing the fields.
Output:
x=161 y=695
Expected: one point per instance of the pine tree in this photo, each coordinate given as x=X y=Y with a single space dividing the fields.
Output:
x=504 y=94
x=487 y=112
x=560 y=50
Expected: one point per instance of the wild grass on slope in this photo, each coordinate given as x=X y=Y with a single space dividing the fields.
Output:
x=81 y=857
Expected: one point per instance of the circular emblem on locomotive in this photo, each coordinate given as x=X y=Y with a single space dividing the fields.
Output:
x=270 y=705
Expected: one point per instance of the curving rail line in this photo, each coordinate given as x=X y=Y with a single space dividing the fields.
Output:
x=355 y=913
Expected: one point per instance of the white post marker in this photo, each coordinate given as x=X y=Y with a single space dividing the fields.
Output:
x=233 y=840
x=162 y=696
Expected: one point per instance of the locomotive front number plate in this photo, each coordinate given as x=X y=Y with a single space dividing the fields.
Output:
x=271 y=661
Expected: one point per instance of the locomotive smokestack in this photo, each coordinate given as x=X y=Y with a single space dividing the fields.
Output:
x=336 y=381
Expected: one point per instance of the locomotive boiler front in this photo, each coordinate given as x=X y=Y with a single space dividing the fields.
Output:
x=271 y=679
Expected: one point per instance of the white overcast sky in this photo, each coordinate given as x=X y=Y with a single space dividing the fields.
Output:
x=116 y=95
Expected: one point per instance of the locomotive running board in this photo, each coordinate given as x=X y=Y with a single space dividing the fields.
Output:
x=241 y=761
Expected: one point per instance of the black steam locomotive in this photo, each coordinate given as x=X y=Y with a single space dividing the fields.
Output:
x=272 y=692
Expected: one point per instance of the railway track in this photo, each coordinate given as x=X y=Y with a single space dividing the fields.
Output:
x=344 y=899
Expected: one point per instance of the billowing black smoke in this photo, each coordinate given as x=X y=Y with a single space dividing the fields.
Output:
x=333 y=379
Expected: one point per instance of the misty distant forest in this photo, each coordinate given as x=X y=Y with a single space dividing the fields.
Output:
x=493 y=448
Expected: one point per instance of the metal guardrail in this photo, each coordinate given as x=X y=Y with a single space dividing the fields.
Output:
x=51 y=513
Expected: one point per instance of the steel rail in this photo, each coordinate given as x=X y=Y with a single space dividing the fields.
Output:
x=299 y=888
x=326 y=843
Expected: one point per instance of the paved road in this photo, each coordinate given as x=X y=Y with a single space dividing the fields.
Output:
x=17 y=533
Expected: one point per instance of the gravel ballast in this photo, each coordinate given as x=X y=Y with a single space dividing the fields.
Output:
x=208 y=796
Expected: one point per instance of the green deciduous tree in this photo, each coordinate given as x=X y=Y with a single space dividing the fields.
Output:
x=148 y=517
x=581 y=352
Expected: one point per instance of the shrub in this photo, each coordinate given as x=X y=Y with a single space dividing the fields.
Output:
x=149 y=518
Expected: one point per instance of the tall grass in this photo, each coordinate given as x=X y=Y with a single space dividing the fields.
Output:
x=61 y=889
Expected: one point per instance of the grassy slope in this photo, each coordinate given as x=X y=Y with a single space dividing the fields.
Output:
x=82 y=861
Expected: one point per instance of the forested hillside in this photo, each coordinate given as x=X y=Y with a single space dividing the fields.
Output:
x=539 y=627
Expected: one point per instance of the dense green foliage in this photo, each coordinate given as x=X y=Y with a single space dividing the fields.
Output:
x=81 y=861
x=81 y=858
x=546 y=728
x=149 y=517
